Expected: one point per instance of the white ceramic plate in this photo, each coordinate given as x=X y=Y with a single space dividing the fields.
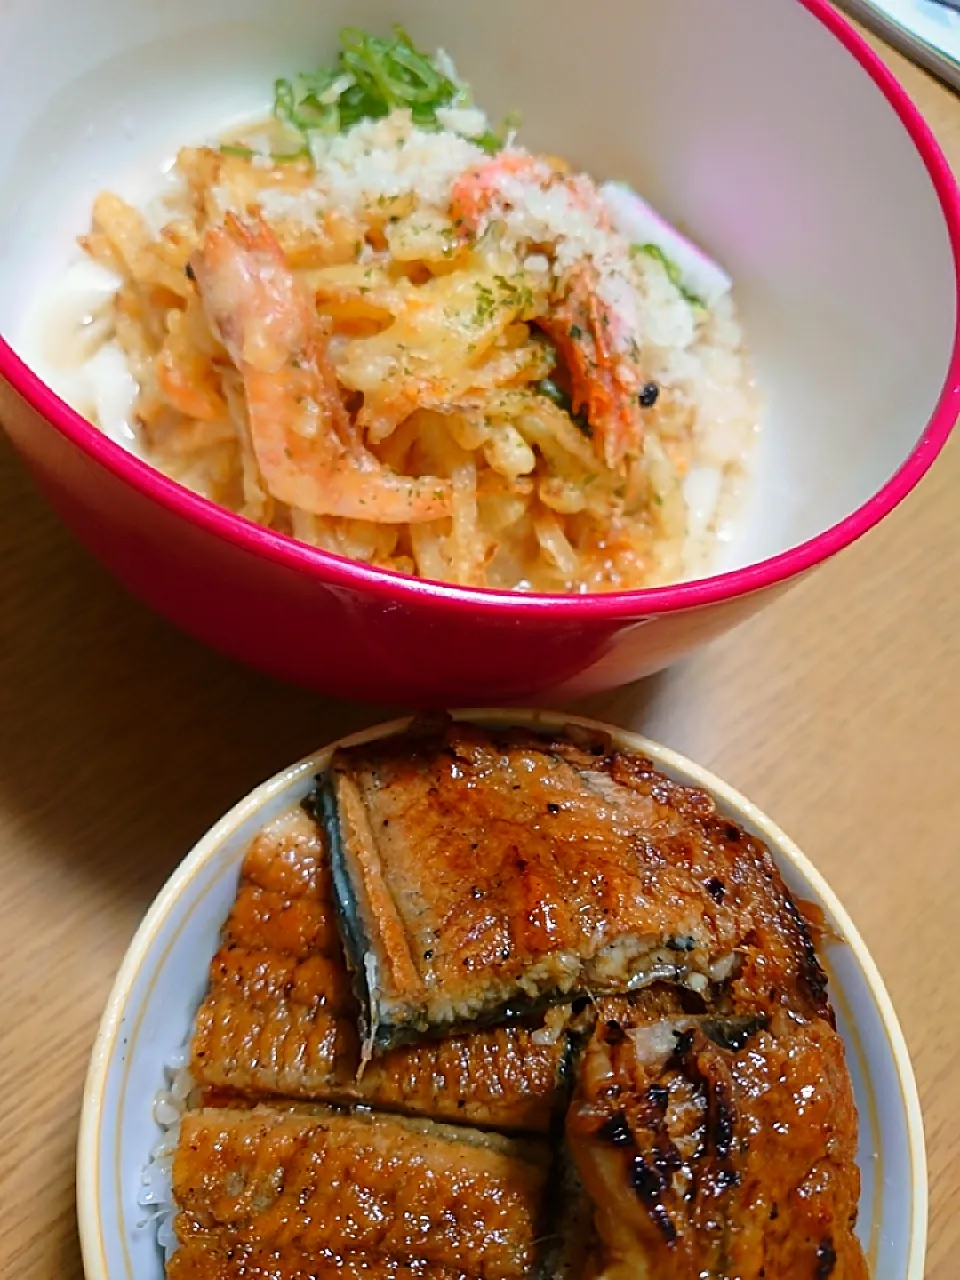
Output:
x=163 y=978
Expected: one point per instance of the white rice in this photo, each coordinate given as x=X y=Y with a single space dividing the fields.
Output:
x=156 y=1183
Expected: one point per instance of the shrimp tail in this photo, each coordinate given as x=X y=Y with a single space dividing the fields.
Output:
x=604 y=383
x=309 y=451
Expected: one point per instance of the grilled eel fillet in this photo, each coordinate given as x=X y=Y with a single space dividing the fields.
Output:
x=280 y=1018
x=718 y=1145
x=227 y=1260
x=570 y=1242
x=396 y=1196
x=479 y=873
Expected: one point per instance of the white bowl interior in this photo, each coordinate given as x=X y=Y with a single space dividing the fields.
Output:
x=747 y=124
x=164 y=977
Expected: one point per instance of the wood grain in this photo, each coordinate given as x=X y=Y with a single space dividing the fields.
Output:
x=837 y=711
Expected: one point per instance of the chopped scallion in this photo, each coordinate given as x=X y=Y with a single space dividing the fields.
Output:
x=372 y=77
x=548 y=388
x=673 y=271
x=247 y=153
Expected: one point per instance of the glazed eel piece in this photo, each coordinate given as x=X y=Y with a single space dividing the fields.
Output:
x=280 y=1018
x=294 y=1183
x=202 y=1258
x=480 y=873
x=718 y=1145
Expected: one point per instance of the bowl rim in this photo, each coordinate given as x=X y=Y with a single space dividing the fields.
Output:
x=89 y=1208
x=392 y=588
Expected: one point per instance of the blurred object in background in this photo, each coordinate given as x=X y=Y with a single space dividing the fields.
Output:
x=927 y=31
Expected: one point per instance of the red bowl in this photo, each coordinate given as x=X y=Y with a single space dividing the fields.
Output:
x=337 y=626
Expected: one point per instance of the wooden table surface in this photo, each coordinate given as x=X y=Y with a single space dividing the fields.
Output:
x=837 y=711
